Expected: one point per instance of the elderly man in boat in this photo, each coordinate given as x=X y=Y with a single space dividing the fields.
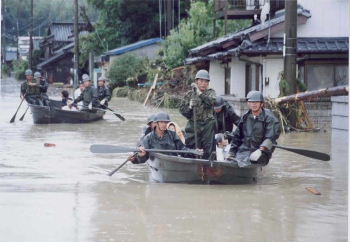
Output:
x=88 y=95
x=256 y=133
x=159 y=138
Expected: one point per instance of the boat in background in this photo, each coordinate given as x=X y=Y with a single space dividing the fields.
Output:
x=54 y=114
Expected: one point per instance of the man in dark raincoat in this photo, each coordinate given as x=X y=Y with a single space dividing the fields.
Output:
x=256 y=132
x=225 y=116
x=88 y=96
x=159 y=138
x=103 y=93
x=200 y=99
x=43 y=88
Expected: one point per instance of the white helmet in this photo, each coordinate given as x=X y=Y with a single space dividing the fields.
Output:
x=85 y=77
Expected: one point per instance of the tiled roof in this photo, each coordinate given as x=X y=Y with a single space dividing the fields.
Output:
x=59 y=54
x=240 y=35
x=305 y=45
x=62 y=31
x=134 y=46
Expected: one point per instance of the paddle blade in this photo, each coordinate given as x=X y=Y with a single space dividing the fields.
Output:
x=13 y=118
x=308 y=153
x=107 y=149
x=119 y=116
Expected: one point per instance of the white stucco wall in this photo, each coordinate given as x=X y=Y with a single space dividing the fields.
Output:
x=271 y=70
x=329 y=18
x=237 y=77
x=217 y=77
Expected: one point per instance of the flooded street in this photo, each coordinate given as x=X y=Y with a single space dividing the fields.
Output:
x=63 y=193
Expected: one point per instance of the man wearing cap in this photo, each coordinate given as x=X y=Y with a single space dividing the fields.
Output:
x=43 y=88
x=200 y=99
x=103 y=92
x=30 y=90
x=88 y=96
x=256 y=132
x=159 y=138
x=225 y=116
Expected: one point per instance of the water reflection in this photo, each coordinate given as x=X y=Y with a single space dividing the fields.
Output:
x=62 y=193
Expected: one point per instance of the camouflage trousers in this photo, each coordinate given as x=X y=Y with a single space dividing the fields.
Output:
x=205 y=136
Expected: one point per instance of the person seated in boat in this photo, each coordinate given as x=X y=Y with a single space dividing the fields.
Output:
x=88 y=96
x=174 y=127
x=103 y=93
x=225 y=115
x=30 y=90
x=257 y=131
x=159 y=138
x=150 y=125
x=43 y=88
x=222 y=147
x=65 y=98
x=78 y=91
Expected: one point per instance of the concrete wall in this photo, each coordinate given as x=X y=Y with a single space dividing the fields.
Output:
x=320 y=112
x=329 y=18
x=149 y=52
x=340 y=113
x=217 y=77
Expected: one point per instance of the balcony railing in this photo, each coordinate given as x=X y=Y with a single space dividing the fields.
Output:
x=221 y=5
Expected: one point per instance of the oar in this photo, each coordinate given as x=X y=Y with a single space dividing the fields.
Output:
x=116 y=114
x=21 y=119
x=117 y=169
x=308 y=153
x=14 y=116
x=122 y=149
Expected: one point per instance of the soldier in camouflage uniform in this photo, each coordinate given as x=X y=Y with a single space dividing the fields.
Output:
x=30 y=90
x=88 y=96
x=256 y=132
x=202 y=99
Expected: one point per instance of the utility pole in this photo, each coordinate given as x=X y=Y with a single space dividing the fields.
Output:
x=76 y=45
x=31 y=36
x=17 y=37
x=290 y=39
x=3 y=33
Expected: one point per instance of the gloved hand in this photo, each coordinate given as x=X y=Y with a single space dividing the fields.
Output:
x=103 y=102
x=195 y=87
x=193 y=103
x=255 y=155
x=227 y=134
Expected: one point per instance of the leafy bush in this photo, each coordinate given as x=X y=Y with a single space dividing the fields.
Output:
x=120 y=92
x=125 y=66
x=5 y=69
x=19 y=67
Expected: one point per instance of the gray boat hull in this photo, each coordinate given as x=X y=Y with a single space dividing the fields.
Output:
x=175 y=169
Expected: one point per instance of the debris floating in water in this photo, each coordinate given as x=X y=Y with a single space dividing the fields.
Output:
x=313 y=190
x=49 y=145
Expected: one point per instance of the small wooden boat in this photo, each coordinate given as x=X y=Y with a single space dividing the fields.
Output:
x=175 y=169
x=55 y=114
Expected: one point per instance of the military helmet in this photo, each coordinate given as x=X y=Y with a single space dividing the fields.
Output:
x=28 y=72
x=202 y=74
x=101 y=78
x=255 y=96
x=150 y=119
x=85 y=77
x=162 y=117
x=37 y=74
x=219 y=102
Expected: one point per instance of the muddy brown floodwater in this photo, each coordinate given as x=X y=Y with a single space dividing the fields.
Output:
x=63 y=193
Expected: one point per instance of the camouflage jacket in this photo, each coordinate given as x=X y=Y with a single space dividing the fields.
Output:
x=204 y=108
x=29 y=90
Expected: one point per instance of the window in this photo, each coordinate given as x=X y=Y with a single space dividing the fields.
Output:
x=252 y=75
x=326 y=75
